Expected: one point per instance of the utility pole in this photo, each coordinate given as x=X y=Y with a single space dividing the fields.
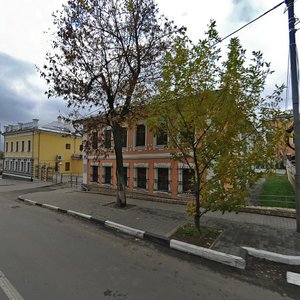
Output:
x=295 y=97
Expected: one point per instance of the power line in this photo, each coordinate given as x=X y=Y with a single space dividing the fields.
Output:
x=265 y=13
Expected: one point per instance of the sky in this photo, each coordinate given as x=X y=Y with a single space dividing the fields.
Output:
x=23 y=45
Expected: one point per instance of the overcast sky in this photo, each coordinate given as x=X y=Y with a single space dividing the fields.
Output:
x=23 y=45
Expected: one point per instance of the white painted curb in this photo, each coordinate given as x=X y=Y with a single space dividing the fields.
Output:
x=227 y=259
x=50 y=206
x=75 y=213
x=293 y=278
x=30 y=201
x=126 y=229
x=280 y=258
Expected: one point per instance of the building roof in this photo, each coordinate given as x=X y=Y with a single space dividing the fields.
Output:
x=58 y=126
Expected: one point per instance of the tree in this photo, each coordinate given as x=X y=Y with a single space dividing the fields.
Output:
x=217 y=120
x=107 y=54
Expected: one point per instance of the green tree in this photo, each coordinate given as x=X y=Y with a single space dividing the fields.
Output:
x=217 y=120
x=107 y=54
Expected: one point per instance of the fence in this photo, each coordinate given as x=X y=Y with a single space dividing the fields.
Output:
x=73 y=180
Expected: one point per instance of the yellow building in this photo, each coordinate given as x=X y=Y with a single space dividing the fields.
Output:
x=33 y=151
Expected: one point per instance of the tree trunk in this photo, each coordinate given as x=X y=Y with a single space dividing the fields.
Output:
x=197 y=211
x=197 y=204
x=121 y=193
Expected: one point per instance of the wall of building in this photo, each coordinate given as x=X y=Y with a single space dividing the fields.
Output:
x=151 y=156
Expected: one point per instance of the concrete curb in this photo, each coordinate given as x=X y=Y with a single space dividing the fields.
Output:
x=129 y=230
x=272 y=256
x=226 y=259
x=293 y=278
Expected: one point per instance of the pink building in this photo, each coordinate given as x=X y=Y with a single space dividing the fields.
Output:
x=148 y=164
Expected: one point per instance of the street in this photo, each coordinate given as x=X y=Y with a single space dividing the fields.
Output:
x=46 y=255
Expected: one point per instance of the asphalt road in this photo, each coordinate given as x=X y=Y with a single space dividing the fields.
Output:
x=45 y=255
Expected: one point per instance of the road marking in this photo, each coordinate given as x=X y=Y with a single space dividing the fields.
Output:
x=8 y=288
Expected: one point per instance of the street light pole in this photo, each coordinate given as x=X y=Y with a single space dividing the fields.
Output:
x=295 y=97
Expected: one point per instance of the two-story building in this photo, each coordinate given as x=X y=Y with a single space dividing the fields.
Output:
x=148 y=164
x=38 y=151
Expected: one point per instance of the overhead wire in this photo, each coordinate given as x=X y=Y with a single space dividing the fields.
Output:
x=252 y=21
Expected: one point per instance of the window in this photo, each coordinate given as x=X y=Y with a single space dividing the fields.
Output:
x=95 y=140
x=162 y=139
x=67 y=166
x=16 y=165
x=81 y=147
x=28 y=167
x=17 y=146
x=141 y=178
x=23 y=146
x=107 y=175
x=6 y=147
x=95 y=173
x=140 y=135
x=124 y=137
x=22 y=166
x=187 y=180
x=11 y=146
x=29 y=146
x=68 y=146
x=163 y=179
x=107 y=139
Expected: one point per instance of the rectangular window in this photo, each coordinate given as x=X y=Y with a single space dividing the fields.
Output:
x=23 y=146
x=141 y=174
x=107 y=139
x=162 y=139
x=124 y=137
x=163 y=179
x=17 y=146
x=107 y=175
x=95 y=140
x=140 y=135
x=28 y=167
x=68 y=146
x=95 y=173
x=6 y=147
x=187 y=180
x=11 y=146
x=29 y=146
x=22 y=166
x=67 y=166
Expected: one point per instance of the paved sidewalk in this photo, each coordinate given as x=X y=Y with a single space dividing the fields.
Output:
x=276 y=234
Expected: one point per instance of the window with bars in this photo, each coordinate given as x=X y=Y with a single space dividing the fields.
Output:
x=163 y=179
x=187 y=180
x=95 y=173
x=141 y=178
x=107 y=175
